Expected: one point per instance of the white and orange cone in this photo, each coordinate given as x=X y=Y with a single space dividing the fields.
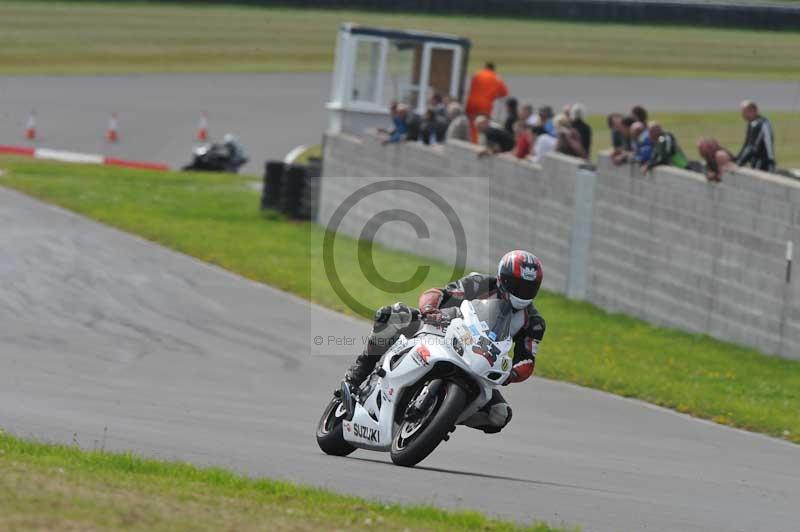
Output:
x=202 y=128
x=112 y=135
x=30 y=128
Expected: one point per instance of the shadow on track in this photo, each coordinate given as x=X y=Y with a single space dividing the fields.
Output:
x=483 y=475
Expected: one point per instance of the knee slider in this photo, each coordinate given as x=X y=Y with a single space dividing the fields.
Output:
x=500 y=415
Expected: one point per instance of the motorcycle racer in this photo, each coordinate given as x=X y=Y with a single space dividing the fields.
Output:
x=519 y=276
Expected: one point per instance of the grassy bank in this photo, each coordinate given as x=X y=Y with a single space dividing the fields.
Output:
x=95 y=38
x=215 y=218
x=53 y=487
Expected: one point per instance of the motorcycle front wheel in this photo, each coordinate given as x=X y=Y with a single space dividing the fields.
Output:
x=329 y=430
x=431 y=414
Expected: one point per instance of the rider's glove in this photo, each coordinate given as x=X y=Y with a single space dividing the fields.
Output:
x=512 y=377
x=431 y=314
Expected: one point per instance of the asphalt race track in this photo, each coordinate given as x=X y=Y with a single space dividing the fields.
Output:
x=273 y=113
x=114 y=342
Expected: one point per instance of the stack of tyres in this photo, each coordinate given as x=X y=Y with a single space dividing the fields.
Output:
x=273 y=183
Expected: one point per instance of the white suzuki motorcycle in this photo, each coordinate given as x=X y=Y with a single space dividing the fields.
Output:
x=423 y=386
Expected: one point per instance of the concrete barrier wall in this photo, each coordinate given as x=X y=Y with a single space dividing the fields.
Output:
x=667 y=247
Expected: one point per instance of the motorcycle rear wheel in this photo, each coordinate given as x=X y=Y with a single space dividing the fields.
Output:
x=329 y=430
x=416 y=439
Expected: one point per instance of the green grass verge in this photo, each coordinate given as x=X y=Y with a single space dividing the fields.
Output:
x=215 y=218
x=55 y=487
x=96 y=38
x=728 y=127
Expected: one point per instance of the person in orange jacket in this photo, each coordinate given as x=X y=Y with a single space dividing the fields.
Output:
x=485 y=88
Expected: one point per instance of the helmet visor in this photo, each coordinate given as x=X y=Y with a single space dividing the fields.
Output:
x=521 y=288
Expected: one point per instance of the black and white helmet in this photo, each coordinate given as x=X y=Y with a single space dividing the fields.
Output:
x=519 y=276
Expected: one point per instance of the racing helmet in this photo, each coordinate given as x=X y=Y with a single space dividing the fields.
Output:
x=519 y=276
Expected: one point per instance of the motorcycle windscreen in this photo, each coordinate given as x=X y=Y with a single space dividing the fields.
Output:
x=497 y=314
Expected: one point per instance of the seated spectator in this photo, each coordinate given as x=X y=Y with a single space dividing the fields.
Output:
x=526 y=113
x=497 y=139
x=639 y=113
x=512 y=114
x=546 y=120
x=459 y=125
x=642 y=146
x=568 y=139
x=717 y=158
x=758 y=150
x=577 y=114
x=523 y=139
x=543 y=143
x=666 y=150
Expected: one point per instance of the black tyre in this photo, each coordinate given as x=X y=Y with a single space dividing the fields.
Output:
x=329 y=430
x=419 y=435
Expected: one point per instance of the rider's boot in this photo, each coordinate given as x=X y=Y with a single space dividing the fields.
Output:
x=360 y=370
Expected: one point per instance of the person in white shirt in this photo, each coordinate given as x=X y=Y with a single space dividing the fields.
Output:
x=542 y=143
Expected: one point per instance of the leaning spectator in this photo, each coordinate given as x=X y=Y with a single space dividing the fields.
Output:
x=577 y=114
x=621 y=138
x=642 y=147
x=526 y=113
x=717 y=158
x=433 y=128
x=523 y=139
x=546 y=120
x=438 y=106
x=543 y=143
x=459 y=125
x=639 y=113
x=758 y=150
x=569 y=140
x=485 y=88
x=397 y=113
x=498 y=140
x=666 y=150
x=512 y=114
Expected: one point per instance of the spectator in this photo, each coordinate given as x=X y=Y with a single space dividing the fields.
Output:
x=567 y=111
x=717 y=158
x=546 y=120
x=439 y=107
x=642 y=147
x=497 y=139
x=523 y=138
x=526 y=113
x=433 y=128
x=485 y=88
x=758 y=149
x=406 y=124
x=639 y=113
x=577 y=114
x=543 y=143
x=459 y=126
x=621 y=138
x=397 y=113
x=568 y=139
x=512 y=114
x=666 y=150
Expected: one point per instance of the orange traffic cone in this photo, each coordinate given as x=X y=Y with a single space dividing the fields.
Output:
x=30 y=129
x=111 y=132
x=202 y=128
